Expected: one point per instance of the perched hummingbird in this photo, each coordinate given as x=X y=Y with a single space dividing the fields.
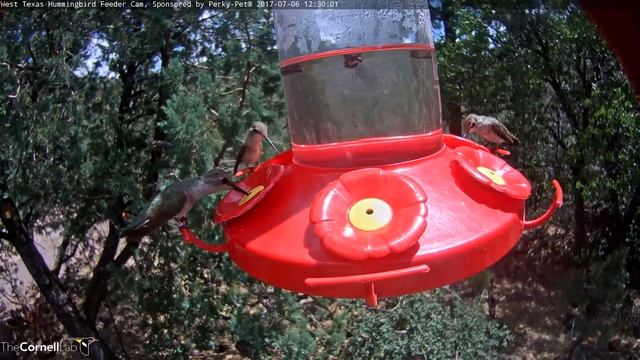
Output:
x=251 y=150
x=489 y=128
x=176 y=201
x=352 y=60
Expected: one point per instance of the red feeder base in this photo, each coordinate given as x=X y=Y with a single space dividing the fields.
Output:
x=432 y=221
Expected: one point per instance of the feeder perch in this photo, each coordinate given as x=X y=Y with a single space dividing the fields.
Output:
x=372 y=200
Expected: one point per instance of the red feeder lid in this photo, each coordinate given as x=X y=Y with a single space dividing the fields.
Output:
x=258 y=183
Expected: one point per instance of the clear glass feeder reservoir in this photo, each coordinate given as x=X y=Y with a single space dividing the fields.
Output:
x=359 y=76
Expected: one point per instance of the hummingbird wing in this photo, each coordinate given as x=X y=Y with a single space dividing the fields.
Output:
x=243 y=149
x=165 y=206
x=504 y=133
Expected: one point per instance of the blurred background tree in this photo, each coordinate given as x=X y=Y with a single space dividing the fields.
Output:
x=102 y=109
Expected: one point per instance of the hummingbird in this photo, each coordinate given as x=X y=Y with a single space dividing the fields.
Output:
x=176 y=201
x=352 y=60
x=491 y=129
x=251 y=150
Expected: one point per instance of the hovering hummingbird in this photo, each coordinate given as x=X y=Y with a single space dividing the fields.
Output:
x=176 y=201
x=491 y=129
x=251 y=150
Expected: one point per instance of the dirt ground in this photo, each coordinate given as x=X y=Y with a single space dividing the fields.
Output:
x=531 y=302
x=544 y=328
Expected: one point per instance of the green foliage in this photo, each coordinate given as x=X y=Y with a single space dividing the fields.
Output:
x=434 y=326
x=278 y=326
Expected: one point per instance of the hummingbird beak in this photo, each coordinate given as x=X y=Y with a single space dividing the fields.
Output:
x=271 y=142
x=236 y=187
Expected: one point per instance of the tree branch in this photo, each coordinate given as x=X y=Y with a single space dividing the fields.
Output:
x=49 y=284
x=552 y=77
x=118 y=334
x=126 y=253
x=97 y=288
x=158 y=133
x=231 y=91
x=248 y=35
x=555 y=136
x=220 y=155
x=245 y=84
x=197 y=66
x=127 y=74
x=61 y=256
x=243 y=94
x=632 y=209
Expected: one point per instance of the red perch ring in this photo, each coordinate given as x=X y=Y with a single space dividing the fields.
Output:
x=369 y=213
x=492 y=171
x=259 y=183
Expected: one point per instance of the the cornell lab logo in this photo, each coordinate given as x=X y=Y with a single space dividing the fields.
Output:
x=84 y=344
x=67 y=345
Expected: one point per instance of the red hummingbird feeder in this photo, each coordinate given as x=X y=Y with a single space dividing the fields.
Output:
x=373 y=200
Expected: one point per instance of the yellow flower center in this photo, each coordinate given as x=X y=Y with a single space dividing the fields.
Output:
x=253 y=192
x=494 y=176
x=370 y=214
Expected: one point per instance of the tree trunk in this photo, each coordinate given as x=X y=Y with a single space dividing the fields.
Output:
x=99 y=281
x=491 y=300
x=579 y=214
x=452 y=111
x=447 y=20
x=158 y=133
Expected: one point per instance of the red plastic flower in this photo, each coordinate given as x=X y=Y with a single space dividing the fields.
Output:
x=494 y=172
x=369 y=213
x=258 y=184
